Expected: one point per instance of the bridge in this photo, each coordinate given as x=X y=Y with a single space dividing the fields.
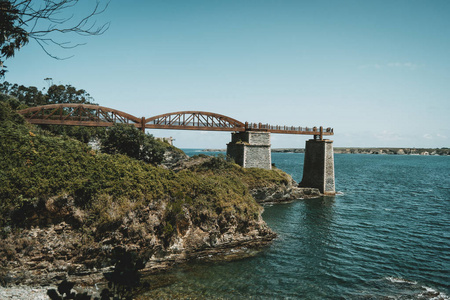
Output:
x=95 y=115
x=250 y=145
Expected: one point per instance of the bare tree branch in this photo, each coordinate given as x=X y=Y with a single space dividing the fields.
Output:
x=43 y=21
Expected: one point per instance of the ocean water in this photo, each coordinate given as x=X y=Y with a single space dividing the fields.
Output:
x=385 y=236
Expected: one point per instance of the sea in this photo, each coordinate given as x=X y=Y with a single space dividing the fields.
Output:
x=386 y=235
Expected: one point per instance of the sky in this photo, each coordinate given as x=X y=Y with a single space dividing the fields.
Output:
x=378 y=72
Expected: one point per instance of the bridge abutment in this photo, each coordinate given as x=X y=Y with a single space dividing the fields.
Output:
x=251 y=149
x=318 y=168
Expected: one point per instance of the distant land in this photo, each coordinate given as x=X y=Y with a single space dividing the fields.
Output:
x=350 y=150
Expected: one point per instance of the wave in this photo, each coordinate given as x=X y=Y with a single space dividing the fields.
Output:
x=435 y=295
x=422 y=292
x=400 y=280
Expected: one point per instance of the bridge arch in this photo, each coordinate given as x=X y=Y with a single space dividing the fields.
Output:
x=194 y=120
x=78 y=114
x=95 y=115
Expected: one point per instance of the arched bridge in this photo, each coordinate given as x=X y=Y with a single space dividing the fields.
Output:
x=95 y=115
x=249 y=147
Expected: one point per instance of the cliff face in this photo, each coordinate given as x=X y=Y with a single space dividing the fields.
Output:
x=42 y=255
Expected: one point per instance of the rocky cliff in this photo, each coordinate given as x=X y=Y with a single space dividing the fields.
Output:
x=42 y=255
x=66 y=210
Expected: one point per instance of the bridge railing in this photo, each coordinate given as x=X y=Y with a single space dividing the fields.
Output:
x=287 y=129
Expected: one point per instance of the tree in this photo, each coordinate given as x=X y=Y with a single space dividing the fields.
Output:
x=20 y=96
x=43 y=21
x=27 y=95
x=67 y=94
x=56 y=94
x=130 y=141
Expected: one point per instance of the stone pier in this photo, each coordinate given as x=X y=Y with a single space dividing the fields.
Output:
x=250 y=149
x=318 y=169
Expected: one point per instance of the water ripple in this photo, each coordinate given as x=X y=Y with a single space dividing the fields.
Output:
x=387 y=236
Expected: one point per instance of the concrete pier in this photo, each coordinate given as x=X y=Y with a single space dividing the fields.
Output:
x=251 y=149
x=318 y=169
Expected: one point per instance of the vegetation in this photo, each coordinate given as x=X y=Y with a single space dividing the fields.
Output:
x=26 y=96
x=38 y=168
x=252 y=178
x=20 y=97
x=130 y=141
x=124 y=282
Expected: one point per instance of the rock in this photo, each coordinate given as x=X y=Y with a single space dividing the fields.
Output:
x=51 y=256
x=284 y=193
x=173 y=157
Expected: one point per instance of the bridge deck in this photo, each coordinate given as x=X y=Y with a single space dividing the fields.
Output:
x=94 y=115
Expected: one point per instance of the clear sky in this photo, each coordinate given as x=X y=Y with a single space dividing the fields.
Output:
x=378 y=72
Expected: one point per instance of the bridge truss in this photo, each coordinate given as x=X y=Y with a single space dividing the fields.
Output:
x=94 y=115
x=77 y=114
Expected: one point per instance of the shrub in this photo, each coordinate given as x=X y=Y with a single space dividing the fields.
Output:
x=130 y=141
x=37 y=166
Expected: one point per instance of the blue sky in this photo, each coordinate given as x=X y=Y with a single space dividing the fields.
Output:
x=378 y=72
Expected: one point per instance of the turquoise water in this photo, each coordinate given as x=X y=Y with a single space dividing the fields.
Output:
x=386 y=236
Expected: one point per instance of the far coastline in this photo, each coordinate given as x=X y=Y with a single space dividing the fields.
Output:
x=356 y=150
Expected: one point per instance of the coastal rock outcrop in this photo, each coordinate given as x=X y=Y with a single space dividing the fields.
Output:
x=283 y=193
x=43 y=255
x=173 y=157
x=281 y=188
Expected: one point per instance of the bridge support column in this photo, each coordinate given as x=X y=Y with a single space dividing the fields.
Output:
x=251 y=149
x=318 y=168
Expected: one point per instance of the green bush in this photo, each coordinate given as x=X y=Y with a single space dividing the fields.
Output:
x=130 y=141
x=37 y=166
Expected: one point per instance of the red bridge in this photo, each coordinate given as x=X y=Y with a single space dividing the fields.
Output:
x=249 y=147
x=94 y=115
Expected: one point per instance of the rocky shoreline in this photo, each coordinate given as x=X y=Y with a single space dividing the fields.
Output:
x=38 y=257
x=52 y=240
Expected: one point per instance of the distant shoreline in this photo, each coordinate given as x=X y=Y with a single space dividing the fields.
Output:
x=357 y=150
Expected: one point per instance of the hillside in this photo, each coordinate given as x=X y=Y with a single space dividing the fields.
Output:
x=66 y=209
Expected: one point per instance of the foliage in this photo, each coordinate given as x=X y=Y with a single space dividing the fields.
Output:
x=37 y=166
x=130 y=141
x=8 y=117
x=64 y=291
x=123 y=281
x=252 y=177
x=44 y=22
x=26 y=96
x=55 y=94
x=19 y=96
